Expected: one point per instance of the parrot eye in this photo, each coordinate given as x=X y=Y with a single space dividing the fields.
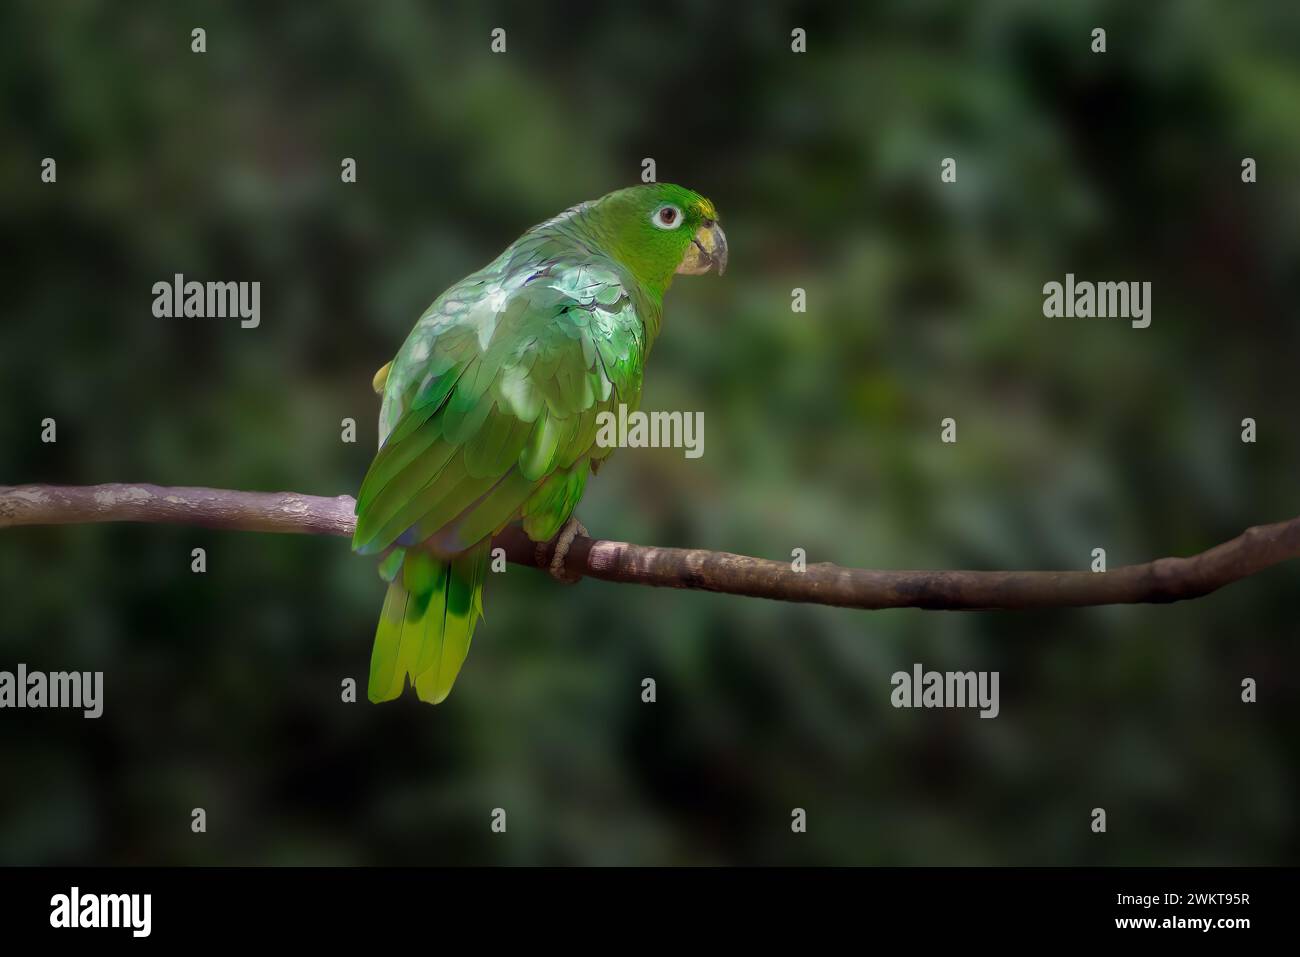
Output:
x=667 y=217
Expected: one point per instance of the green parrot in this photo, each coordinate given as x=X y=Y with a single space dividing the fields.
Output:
x=490 y=411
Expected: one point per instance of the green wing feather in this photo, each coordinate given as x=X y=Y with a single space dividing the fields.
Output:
x=489 y=417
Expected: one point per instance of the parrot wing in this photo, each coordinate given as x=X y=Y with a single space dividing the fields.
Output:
x=491 y=405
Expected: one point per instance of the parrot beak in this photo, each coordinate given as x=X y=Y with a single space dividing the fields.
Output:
x=708 y=248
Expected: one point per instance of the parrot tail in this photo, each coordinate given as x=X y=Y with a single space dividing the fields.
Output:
x=428 y=619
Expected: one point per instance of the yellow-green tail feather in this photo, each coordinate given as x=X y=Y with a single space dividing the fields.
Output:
x=428 y=620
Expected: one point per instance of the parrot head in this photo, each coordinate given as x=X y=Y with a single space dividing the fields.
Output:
x=659 y=229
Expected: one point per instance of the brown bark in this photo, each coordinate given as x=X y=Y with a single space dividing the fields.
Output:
x=1162 y=580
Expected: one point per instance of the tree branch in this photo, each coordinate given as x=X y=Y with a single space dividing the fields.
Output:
x=1163 y=580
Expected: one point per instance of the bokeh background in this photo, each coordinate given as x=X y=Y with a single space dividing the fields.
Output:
x=822 y=429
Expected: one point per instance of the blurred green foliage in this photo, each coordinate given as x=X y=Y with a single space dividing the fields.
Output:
x=222 y=691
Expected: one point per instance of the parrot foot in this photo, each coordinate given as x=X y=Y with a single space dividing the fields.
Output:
x=563 y=542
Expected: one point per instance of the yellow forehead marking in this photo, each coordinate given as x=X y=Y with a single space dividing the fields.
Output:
x=705 y=209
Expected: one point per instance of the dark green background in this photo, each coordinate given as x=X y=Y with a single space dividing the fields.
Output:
x=822 y=429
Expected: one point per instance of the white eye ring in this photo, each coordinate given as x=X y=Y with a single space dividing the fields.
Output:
x=666 y=217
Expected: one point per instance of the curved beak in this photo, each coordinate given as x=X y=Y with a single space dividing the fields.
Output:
x=708 y=248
